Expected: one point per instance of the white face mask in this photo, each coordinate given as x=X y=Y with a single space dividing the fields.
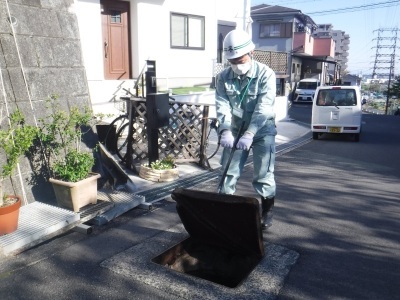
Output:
x=241 y=69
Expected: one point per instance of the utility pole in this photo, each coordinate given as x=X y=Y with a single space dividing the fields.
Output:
x=386 y=44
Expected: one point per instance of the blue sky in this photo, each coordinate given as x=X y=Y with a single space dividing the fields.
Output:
x=360 y=23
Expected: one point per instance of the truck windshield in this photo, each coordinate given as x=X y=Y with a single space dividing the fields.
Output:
x=307 y=85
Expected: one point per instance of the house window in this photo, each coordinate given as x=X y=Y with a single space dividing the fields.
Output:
x=115 y=16
x=270 y=30
x=293 y=68
x=281 y=30
x=187 y=31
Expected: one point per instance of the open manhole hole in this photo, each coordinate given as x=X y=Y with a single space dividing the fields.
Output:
x=225 y=242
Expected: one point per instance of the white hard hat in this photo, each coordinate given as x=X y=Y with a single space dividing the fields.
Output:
x=237 y=43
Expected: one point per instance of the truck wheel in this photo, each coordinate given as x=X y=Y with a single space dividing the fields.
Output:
x=315 y=135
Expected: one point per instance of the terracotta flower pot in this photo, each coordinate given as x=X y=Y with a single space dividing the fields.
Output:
x=9 y=216
x=74 y=195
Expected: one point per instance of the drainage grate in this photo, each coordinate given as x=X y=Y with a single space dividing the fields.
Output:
x=156 y=194
x=116 y=196
x=89 y=212
x=122 y=201
x=37 y=221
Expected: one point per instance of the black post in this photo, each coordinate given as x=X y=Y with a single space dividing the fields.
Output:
x=152 y=142
x=129 y=140
x=128 y=155
x=203 y=161
x=157 y=110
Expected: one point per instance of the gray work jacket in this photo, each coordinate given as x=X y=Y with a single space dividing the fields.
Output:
x=253 y=92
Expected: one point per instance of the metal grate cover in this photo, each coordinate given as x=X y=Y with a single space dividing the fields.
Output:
x=117 y=196
x=122 y=201
x=91 y=211
x=36 y=222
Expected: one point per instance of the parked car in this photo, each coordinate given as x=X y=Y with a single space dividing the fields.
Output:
x=337 y=109
x=305 y=90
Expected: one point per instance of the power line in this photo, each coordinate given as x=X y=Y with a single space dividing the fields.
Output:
x=355 y=8
x=280 y=3
x=370 y=15
x=341 y=10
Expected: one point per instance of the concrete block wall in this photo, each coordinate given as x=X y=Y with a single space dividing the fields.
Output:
x=40 y=55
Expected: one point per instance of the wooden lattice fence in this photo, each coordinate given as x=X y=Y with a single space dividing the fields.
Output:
x=184 y=137
x=277 y=61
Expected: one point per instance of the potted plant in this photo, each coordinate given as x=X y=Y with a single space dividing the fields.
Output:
x=69 y=165
x=15 y=140
x=160 y=170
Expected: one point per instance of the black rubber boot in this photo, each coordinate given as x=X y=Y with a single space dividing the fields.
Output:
x=267 y=205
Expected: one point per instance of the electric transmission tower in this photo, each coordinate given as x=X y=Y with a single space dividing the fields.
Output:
x=385 y=57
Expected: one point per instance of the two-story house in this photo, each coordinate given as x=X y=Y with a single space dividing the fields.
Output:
x=183 y=38
x=277 y=28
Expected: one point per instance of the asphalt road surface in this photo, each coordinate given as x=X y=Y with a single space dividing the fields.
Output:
x=338 y=206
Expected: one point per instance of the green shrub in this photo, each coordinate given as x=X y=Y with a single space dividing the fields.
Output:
x=15 y=140
x=75 y=167
x=60 y=137
x=164 y=164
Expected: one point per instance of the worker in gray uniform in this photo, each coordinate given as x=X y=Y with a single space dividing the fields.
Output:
x=245 y=92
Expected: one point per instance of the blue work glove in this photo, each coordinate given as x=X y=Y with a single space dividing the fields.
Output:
x=245 y=141
x=227 y=139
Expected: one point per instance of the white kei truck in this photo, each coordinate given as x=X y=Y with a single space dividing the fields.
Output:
x=337 y=110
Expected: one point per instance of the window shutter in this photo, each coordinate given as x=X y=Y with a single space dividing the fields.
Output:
x=286 y=29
